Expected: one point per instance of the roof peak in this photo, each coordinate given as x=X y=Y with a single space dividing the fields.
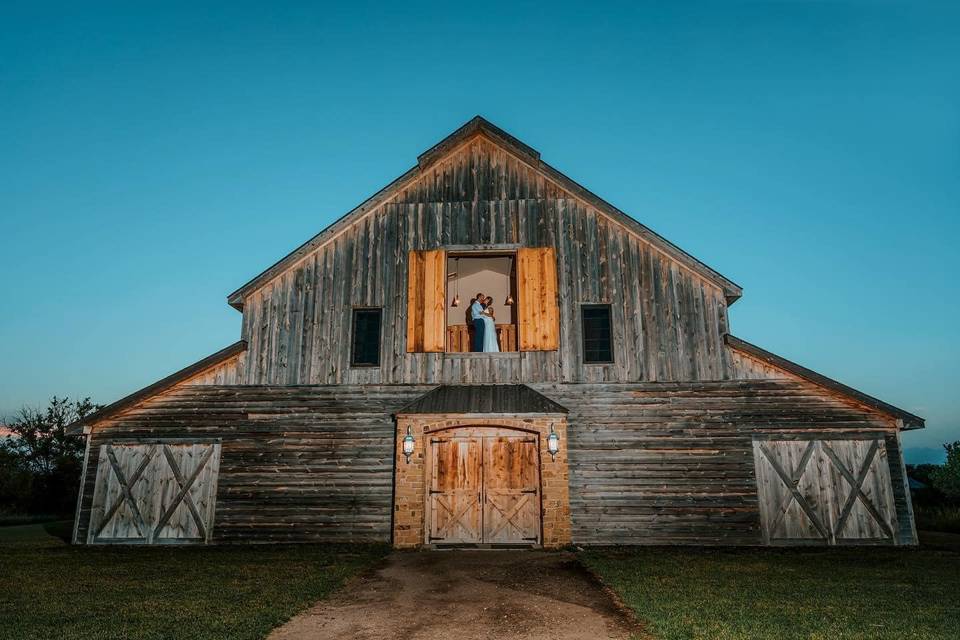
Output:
x=480 y=126
x=477 y=125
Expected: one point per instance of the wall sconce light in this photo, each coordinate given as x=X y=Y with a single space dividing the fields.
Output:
x=509 y=299
x=553 y=443
x=408 y=444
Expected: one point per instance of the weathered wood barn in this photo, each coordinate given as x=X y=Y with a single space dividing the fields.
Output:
x=618 y=410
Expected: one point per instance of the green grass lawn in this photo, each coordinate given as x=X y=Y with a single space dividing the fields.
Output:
x=835 y=594
x=49 y=589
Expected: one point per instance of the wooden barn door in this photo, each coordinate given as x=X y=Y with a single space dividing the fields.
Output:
x=825 y=491
x=155 y=493
x=484 y=489
x=511 y=491
x=455 y=491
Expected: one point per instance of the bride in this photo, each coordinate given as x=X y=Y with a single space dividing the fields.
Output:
x=489 y=328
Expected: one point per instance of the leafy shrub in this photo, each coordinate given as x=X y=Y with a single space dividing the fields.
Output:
x=40 y=464
x=946 y=478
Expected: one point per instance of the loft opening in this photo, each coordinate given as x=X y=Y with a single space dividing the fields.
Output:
x=486 y=324
x=521 y=283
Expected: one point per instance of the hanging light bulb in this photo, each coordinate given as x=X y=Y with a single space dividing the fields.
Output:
x=456 y=296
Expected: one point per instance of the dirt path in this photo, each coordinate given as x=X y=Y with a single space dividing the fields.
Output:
x=466 y=594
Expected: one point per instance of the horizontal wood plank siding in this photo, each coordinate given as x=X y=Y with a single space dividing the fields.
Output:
x=649 y=463
x=297 y=463
x=672 y=463
x=668 y=321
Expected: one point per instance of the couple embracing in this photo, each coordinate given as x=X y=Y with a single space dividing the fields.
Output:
x=484 y=324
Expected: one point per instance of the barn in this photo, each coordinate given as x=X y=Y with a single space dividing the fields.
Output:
x=598 y=397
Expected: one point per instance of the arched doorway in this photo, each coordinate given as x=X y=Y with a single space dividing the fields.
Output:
x=483 y=486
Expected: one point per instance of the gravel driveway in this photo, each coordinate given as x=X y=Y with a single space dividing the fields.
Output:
x=467 y=594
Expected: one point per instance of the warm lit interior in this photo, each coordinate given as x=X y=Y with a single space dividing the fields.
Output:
x=494 y=276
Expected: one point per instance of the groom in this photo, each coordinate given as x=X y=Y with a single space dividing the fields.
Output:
x=476 y=315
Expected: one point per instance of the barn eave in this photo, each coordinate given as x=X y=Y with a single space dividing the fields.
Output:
x=77 y=427
x=905 y=419
x=479 y=126
x=483 y=399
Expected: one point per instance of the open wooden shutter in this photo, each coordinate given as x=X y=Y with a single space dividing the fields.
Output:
x=537 y=308
x=426 y=293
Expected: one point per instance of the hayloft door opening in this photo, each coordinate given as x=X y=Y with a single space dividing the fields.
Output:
x=484 y=489
x=493 y=276
x=519 y=310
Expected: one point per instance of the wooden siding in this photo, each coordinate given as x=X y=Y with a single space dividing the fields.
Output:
x=743 y=367
x=230 y=371
x=668 y=320
x=649 y=463
x=296 y=464
x=672 y=463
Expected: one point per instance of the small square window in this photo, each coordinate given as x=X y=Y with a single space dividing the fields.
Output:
x=597 y=333
x=366 y=338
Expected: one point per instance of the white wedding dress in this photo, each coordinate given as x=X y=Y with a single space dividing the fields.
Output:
x=490 y=335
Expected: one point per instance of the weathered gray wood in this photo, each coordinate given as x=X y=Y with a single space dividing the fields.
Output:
x=468 y=202
x=663 y=441
x=673 y=462
x=183 y=496
x=140 y=487
x=296 y=463
x=851 y=502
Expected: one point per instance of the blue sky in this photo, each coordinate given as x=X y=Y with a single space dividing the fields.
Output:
x=155 y=157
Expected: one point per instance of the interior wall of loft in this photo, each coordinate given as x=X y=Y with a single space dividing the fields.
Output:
x=491 y=276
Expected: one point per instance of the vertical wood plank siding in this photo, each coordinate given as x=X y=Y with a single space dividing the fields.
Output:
x=672 y=463
x=229 y=371
x=668 y=321
x=297 y=463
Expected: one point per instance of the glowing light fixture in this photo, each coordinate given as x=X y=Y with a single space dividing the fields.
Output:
x=456 y=296
x=408 y=444
x=553 y=443
x=509 y=299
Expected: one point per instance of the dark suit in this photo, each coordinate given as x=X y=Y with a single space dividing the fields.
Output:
x=476 y=315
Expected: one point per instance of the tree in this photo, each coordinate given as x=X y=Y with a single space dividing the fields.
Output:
x=922 y=472
x=40 y=464
x=946 y=478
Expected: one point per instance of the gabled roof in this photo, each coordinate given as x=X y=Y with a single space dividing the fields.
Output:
x=483 y=398
x=910 y=421
x=158 y=387
x=479 y=126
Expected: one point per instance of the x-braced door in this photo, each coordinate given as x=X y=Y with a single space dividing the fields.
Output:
x=455 y=491
x=825 y=491
x=155 y=493
x=511 y=491
x=484 y=489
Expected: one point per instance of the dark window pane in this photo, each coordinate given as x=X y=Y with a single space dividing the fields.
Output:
x=366 y=337
x=597 y=342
